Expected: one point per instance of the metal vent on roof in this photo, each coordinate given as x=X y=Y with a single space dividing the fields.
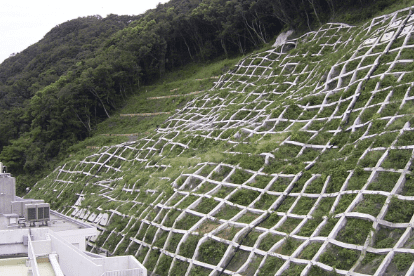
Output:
x=40 y=212
x=46 y=212
x=31 y=214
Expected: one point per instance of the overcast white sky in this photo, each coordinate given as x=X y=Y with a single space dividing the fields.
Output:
x=25 y=22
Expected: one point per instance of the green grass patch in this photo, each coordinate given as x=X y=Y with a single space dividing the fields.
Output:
x=211 y=252
x=355 y=231
x=358 y=179
x=271 y=221
x=271 y=266
x=289 y=225
x=244 y=197
x=338 y=257
x=397 y=159
x=371 y=204
x=387 y=237
x=310 y=250
x=400 y=211
x=384 y=181
x=327 y=228
x=304 y=205
x=227 y=212
x=344 y=203
x=268 y=241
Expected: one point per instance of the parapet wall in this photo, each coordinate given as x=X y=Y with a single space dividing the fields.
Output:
x=7 y=193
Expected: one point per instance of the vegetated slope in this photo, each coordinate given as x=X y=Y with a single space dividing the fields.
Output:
x=41 y=64
x=295 y=163
x=53 y=94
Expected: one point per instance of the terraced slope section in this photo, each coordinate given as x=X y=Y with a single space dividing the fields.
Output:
x=298 y=162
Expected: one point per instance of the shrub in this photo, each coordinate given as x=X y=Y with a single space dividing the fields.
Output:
x=265 y=201
x=163 y=265
x=315 y=186
x=152 y=259
x=251 y=238
x=271 y=221
x=408 y=189
x=310 y=250
x=293 y=270
x=289 y=246
x=406 y=138
x=358 y=179
x=286 y=204
x=370 y=257
x=261 y=181
x=316 y=270
x=174 y=240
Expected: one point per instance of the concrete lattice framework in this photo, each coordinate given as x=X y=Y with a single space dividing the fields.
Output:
x=304 y=103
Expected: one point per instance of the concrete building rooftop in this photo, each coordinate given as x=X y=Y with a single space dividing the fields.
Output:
x=57 y=223
x=17 y=267
x=37 y=241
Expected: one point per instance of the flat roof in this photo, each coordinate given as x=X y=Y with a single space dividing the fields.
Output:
x=17 y=266
x=61 y=223
x=57 y=223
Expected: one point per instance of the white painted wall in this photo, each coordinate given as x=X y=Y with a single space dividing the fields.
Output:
x=11 y=241
x=72 y=261
x=42 y=248
x=7 y=194
x=78 y=236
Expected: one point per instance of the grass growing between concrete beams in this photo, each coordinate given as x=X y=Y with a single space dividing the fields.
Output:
x=285 y=150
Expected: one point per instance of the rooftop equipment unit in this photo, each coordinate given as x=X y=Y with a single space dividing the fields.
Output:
x=43 y=212
x=18 y=206
x=39 y=212
x=30 y=212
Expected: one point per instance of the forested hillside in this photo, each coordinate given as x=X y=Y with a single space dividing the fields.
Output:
x=37 y=69
x=55 y=92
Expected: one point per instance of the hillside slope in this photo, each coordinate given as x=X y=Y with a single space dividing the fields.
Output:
x=297 y=162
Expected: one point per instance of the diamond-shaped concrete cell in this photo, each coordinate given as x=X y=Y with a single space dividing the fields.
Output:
x=104 y=219
x=92 y=217
x=395 y=24
x=387 y=36
x=370 y=41
x=406 y=30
